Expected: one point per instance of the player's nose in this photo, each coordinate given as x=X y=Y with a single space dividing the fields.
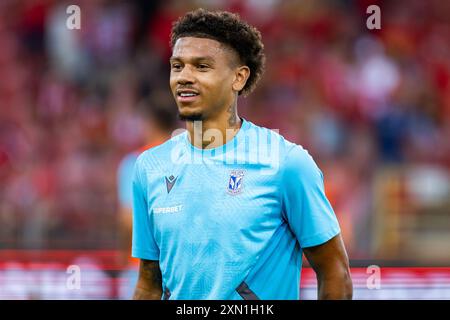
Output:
x=185 y=76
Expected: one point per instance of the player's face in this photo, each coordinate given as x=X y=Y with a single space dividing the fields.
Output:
x=201 y=77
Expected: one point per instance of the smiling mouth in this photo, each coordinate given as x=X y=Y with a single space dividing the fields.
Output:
x=186 y=96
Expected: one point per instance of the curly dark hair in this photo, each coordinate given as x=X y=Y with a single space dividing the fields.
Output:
x=229 y=29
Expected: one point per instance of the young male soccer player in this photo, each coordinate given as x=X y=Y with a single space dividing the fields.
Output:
x=225 y=210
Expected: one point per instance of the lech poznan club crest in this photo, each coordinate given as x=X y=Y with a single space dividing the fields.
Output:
x=235 y=182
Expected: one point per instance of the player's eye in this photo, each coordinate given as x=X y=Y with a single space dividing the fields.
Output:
x=176 y=66
x=203 y=66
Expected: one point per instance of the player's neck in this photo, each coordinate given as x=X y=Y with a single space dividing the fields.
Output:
x=214 y=132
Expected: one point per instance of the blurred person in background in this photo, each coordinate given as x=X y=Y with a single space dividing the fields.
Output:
x=159 y=120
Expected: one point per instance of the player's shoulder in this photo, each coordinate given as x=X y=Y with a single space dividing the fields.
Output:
x=292 y=156
x=273 y=136
x=160 y=155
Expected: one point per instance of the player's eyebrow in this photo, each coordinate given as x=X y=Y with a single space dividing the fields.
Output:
x=193 y=59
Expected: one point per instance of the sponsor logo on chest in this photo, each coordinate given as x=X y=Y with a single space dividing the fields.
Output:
x=173 y=209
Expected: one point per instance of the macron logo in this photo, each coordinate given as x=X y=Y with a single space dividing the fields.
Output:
x=170 y=182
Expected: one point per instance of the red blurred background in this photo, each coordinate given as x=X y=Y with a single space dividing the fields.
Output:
x=371 y=106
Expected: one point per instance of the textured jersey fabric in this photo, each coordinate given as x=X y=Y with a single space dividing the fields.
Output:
x=229 y=222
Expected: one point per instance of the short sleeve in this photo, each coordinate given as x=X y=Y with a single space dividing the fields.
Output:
x=144 y=245
x=305 y=206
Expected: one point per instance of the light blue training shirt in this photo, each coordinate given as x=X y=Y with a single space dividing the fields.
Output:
x=229 y=222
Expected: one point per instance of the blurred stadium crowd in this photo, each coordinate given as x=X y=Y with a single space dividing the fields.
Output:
x=371 y=106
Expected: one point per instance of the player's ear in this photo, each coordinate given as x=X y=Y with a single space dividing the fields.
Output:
x=241 y=75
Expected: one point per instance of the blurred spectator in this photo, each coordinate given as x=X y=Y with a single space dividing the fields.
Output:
x=158 y=117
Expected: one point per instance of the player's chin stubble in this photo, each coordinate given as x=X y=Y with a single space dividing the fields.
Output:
x=191 y=117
